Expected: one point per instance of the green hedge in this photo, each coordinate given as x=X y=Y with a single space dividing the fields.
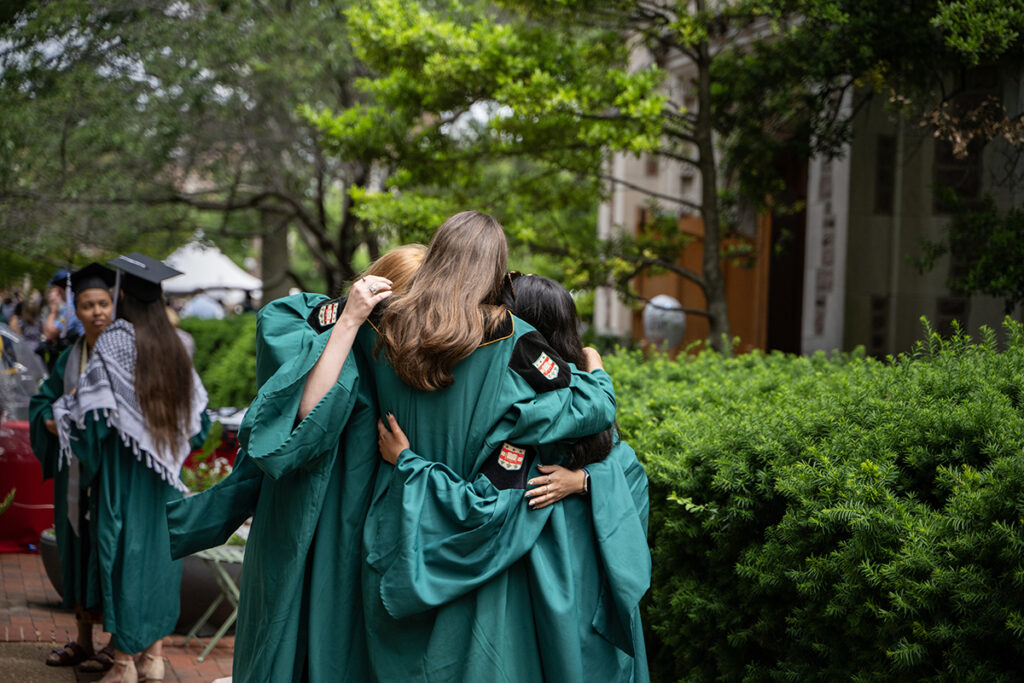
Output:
x=820 y=519
x=225 y=358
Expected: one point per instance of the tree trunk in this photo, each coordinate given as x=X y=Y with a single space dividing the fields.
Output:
x=274 y=254
x=714 y=280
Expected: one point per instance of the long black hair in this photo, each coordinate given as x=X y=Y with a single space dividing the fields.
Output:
x=163 y=371
x=549 y=307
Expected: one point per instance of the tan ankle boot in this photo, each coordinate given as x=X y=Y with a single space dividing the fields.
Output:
x=151 y=668
x=124 y=669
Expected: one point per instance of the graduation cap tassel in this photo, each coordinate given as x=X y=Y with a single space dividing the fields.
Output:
x=117 y=295
x=68 y=306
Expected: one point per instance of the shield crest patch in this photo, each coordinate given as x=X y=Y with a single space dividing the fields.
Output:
x=328 y=314
x=511 y=457
x=546 y=366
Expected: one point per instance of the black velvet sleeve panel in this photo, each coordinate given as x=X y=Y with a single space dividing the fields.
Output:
x=537 y=363
x=508 y=467
x=326 y=313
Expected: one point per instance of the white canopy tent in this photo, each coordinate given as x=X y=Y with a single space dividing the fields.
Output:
x=207 y=268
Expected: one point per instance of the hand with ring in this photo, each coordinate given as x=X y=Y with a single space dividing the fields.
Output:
x=556 y=483
x=365 y=293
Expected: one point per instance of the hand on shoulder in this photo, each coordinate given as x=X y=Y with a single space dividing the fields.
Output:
x=593 y=359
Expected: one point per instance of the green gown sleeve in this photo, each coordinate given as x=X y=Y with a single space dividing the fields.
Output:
x=209 y=518
x=619 y=512
x=462 y=534
x=45 y=445
x=586 y=406
x=269 y=433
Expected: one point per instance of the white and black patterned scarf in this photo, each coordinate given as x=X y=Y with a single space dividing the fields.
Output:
x=108 y=387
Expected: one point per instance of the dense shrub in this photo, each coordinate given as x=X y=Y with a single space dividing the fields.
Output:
x=836 y=518
x=225 y=358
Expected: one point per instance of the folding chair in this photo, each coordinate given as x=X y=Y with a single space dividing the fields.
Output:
x=215 y=559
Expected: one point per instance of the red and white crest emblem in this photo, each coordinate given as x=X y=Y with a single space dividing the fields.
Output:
x=328 y=314
x=511 y=457
x=547 y=367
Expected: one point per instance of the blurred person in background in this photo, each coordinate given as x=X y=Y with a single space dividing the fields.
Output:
x=27 y=319
x=202 y=306
x=61 y=328
x=9 y=299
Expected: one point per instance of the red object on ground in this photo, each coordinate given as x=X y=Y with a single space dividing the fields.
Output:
x=227 y=449
x=32 y=510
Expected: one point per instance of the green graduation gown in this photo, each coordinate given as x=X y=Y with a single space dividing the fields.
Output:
x=589 y=569
x=586 y=558
x=307 y=488
x=78 y=565
x=467 y=615
x=139 y=583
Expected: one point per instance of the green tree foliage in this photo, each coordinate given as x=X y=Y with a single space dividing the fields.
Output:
x=553 y=88
x=833 y=518
x=989 y=242
x=470 y=109
x=128 y=117
x=225 y=358
x=981 y=29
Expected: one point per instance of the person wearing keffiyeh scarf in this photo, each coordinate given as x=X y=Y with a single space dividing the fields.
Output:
x=126 y=429
x=79 y=581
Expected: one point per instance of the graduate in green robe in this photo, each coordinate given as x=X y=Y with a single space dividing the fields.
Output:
x=470 y=385
x=126 y=431
x=588 y=566
x=306 y=482
x=79 y=583
x=591 y=565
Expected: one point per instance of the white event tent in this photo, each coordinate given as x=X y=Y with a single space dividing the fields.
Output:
x=207 y=268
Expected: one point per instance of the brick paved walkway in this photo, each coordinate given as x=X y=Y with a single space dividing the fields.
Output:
x=30 y=613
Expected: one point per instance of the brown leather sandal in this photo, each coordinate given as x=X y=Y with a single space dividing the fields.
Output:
x=99 y=662
x=69 y=655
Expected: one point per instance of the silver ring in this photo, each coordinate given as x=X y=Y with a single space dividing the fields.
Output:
x=549 y=478
x=373 y=289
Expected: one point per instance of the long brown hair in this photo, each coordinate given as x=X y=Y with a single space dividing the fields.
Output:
x=163 y=371
x=452 y=301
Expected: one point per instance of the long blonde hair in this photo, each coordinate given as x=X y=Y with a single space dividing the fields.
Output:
x=452 y=301
x=398 y=265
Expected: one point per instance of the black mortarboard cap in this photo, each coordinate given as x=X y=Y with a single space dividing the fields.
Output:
x=142 y=275
x=92 y=276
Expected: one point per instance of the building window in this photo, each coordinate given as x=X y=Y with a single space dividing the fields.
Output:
x=962 y=176
x=879 y=325
x=651 y=164
x=885 y=174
